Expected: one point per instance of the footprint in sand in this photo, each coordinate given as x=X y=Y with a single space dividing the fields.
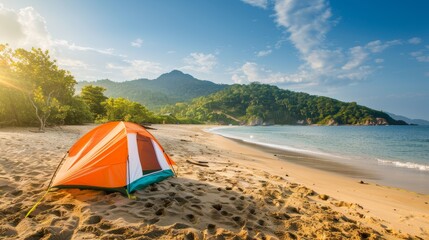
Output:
x=148 y=205
x=237 y=219
x=166 y=202
x=180 y=226
x=105 y=225
x=118 y=231
x=252 y=211
x=16 y=193
x=239 y=208
x=160 y=212
x=224 y=213
x=191 y=218
x=211 y=228
x=181 y=201
x=218 y=207
x=196 y=206
x=153 y=220
x=93 y=219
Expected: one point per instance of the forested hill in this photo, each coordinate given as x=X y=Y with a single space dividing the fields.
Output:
x=260 y=104
x=168 y=88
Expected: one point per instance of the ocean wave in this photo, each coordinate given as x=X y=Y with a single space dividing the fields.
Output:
x=411 y=165
x=270 y=145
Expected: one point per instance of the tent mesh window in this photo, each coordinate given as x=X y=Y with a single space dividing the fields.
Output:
x=148 y=159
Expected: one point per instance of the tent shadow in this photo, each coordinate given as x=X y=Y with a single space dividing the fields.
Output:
x=175 y=207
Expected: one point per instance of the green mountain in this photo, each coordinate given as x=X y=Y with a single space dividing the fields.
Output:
x=168 y=88
x=262 y=104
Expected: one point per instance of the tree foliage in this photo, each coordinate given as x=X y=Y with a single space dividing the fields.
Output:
x=94 y=97
x=33 y=83
x=121 y=109
x=257 y=104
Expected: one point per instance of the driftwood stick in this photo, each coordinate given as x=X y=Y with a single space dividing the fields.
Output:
x=199 y=164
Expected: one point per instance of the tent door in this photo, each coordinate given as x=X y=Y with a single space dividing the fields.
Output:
x=147 y=155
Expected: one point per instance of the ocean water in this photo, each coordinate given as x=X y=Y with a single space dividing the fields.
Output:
x=398 y=155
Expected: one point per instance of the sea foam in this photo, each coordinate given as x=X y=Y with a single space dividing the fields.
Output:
x=251 y=139
x=410 y=165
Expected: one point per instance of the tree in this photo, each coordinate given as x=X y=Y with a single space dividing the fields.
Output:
x=79 y=112
x=47 y=85
x=121 y=109
x=43 y=106
x=34 y=81
x=93 y=96
x=11 y=98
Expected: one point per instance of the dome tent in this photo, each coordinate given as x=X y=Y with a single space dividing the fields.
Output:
x=116 y=156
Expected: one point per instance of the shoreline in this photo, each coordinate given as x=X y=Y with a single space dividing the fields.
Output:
x=311 y=161
x=390 y=204
x=410 y=179
x=245 y=192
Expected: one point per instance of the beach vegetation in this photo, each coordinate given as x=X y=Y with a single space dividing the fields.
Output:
x=94 y=97
x=263 y=104
x=35 y=91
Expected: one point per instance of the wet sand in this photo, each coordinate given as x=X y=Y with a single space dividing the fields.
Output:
x=245 y=192
x=313 y=161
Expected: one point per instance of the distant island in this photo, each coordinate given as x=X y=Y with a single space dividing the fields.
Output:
x=184 y=97
x=409 y=120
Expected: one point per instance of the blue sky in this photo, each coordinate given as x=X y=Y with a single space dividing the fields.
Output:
x=373 y=52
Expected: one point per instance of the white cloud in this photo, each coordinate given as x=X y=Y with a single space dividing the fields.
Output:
x=358 y=56
x=71 y=63
x=252 y=72
x=360 y=73
x=137 y=68
x=323 y=59
x=73 y=47
x=264 y=53
x=137 y=43
x=416 y=53
x=379 y=60
x=200 y=62
x=23 y=28
x=257 y=3
x=26 y=28
x=379 y=46
x=415 y=40
x=421 y=56
x=306 y=21
x=306 y=24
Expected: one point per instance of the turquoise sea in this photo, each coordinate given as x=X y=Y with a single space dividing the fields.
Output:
x=397 y=155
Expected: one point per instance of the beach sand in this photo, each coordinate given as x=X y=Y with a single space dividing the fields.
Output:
x=245 y=192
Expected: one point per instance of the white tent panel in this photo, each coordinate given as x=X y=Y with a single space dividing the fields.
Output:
x=160 y=156
x=134 y=167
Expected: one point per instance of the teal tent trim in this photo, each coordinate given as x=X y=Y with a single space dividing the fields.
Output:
x=149 y=179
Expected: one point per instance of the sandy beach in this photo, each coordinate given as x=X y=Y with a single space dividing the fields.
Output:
x=246 y=192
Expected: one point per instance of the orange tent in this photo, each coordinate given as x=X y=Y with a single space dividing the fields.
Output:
x=118 y=156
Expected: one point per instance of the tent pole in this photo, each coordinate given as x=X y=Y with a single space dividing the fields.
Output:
x=56 y=170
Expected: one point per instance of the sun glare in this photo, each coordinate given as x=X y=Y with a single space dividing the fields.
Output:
x=7 y=83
